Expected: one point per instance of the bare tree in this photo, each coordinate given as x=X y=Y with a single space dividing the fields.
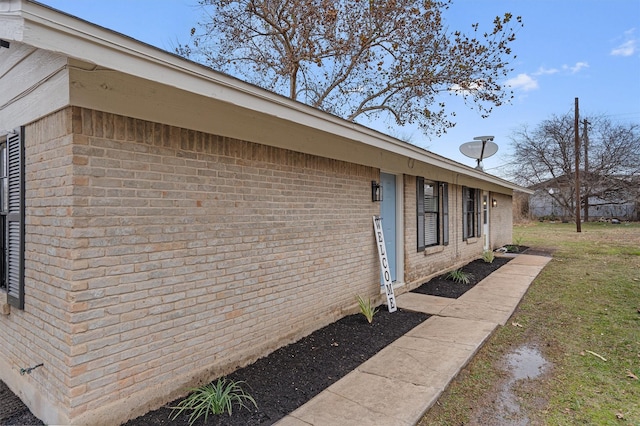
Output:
x=544 y=158
x=359 y=58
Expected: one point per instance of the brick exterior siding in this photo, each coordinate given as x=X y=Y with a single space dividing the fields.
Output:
x=502 y=218
x=159 y=258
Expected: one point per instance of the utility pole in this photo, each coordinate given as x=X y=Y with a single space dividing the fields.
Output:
x=576 y=124
x=587 y=179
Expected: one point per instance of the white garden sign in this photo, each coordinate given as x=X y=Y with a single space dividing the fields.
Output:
x=384 y=264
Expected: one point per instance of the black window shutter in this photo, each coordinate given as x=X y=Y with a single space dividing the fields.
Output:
x=14 y=232
x=445 y=214
x=420 y=211
x=478 y=212
x=465 y=212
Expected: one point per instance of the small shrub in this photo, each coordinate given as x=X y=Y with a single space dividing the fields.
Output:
x=459 y=276
x=488 y=256
x=214 y=398
x=367 y=310
x=512 y=248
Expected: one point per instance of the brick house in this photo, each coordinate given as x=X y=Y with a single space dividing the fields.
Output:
x=164 y=224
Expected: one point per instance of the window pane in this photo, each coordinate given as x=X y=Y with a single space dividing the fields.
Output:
x=468 y=212
x=430 y=229
x=431 y=214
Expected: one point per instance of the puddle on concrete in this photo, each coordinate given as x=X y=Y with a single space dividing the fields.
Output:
x=524 y=363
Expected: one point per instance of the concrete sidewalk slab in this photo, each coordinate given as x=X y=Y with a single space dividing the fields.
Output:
x=330 y=409
x=504 y=280
x=508 y=285
x=532 y=260
x=406 y=404
x=519 y=270
x=423 y=303
x=401 y=382
x=426 y=368
x=491 y=298
x=453 y=330
x=474 y=310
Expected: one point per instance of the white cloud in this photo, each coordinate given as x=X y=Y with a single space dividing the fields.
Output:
x=627 y=48
x=546 y=71
x=522 y=81
x=575 y=68
x=528 y=82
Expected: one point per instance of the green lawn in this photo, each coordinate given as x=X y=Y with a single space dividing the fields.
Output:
x=583 y=307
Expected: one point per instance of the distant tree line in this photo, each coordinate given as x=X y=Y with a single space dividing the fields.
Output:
x=544 y=158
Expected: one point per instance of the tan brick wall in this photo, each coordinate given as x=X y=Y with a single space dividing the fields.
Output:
x=502 y=218
x=41 y=332
x=158 y=256
x=421 y=266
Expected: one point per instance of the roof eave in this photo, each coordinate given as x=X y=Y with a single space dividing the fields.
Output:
x=49 y=29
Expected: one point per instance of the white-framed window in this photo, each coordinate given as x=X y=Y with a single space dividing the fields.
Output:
x=471 y=211
x=432 y=213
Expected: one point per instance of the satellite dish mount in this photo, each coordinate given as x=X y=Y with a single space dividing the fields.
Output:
x=481 y=147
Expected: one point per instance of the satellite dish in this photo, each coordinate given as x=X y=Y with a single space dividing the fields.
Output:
x=481 y=147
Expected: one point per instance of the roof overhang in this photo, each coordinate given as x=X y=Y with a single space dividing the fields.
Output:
x=34 y=24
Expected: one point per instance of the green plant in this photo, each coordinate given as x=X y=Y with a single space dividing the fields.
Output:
x=215 y=398
x=367 y=310
x=488 y=256
x=518 y=240
x=459 y=276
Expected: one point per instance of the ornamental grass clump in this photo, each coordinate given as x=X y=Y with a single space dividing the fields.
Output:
x=214 y=398
x=488 y=256
x=367 y=310
x=459 y=276
x=512 y=248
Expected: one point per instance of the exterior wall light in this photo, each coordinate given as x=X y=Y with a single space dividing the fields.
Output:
x=376 y=191
x=494 y=203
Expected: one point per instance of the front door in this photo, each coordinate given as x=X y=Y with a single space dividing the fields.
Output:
x=388 y=214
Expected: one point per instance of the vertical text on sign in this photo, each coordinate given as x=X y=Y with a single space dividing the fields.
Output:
x=384 y=264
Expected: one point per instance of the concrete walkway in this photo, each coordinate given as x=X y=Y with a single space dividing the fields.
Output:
x=401 y=382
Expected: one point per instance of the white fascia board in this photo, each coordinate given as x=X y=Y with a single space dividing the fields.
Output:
x=11 y=22
x=46 y=28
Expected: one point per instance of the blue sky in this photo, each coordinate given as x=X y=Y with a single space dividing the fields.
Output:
x=589 y=49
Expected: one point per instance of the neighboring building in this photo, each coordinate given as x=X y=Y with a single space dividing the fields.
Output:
x=165 y=224
x=612 y=198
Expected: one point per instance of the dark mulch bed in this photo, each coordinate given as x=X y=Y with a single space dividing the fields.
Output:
x=443 y=287
x=292 y=375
